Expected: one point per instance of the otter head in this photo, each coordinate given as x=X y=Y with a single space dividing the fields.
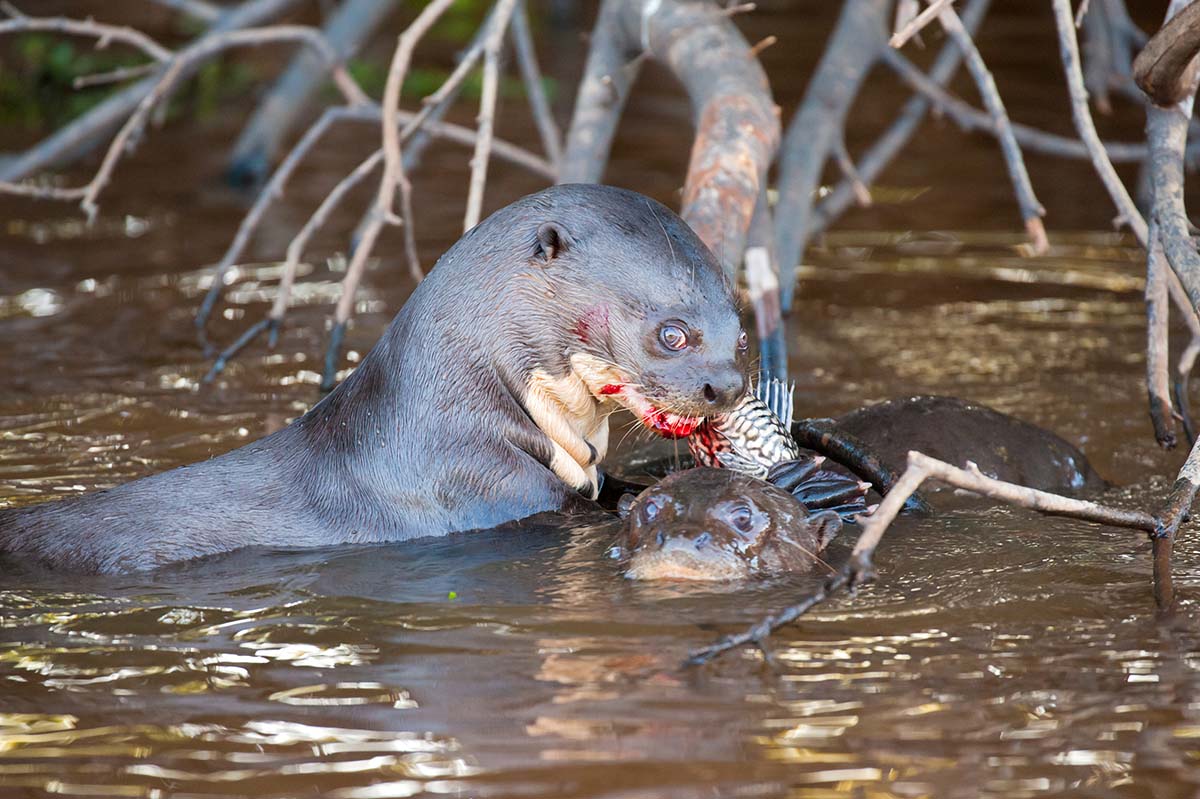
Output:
x=623 y=306
x=716 y=524
x=651 y=319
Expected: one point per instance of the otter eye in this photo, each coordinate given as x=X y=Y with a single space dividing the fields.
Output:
x=743 y=342
x=673 y=337
x=650 y=511
x=741 y=518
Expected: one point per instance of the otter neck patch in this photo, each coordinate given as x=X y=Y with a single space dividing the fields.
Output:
x=564 y=409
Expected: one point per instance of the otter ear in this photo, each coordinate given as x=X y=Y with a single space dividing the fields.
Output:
x=624 y=504
x=826 y=525
x=552 y=241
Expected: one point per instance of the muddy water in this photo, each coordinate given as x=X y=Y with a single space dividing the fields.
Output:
x=1000 y=654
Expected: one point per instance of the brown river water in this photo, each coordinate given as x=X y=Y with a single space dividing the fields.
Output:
x=999 y=654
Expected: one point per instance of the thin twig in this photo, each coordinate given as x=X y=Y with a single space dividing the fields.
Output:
x=104 y=34
x=972 y=119
x=1081 y=13
x=1031 y=209
x=846 y=164
x=393 y=178
x=487 y=113
x=917 y=23
x=763 y=44
x=1086 y=127
x=119 y=75
x=531 y=76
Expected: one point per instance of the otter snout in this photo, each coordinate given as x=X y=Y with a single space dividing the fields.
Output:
x=705 y=389
x=684 y=553
x=723 y=388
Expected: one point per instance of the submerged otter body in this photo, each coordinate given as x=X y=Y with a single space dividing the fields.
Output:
x=485 y=401
x=958 y=431
x=718 y=524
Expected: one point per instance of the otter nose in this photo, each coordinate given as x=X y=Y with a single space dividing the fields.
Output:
x=724 y=389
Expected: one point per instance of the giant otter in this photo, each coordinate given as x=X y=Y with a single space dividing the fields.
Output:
x=719 y=524
x=486 y=400
x=958 y=431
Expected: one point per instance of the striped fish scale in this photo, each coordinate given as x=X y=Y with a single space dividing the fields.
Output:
x=752 y=437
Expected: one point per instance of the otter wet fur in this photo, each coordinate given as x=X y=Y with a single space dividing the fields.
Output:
x=718 y=524
x=486 y=400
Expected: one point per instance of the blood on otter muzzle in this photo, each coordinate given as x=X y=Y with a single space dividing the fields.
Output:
x=717 y=524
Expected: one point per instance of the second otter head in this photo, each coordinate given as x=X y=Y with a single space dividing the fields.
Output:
x=717 y=524
x=655 y=326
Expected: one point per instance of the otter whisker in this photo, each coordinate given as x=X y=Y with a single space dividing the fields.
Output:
x=814 y=555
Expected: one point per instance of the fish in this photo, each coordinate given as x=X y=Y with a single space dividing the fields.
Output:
x=755 y=439
x=752 y=437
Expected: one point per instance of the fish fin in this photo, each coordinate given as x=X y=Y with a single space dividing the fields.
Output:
x=738 y=463
x=780 y=397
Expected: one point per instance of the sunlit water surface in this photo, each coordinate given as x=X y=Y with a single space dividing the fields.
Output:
x=1000 y=654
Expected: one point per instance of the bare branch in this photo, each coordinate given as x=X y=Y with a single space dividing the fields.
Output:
x=846 y=164
x=274 y=189
x=859 y=568
x=88 y=131
x=531 y=75
x=917 y=23
x=394 y=178
x=269 y=193
x=175 y=67
x=603 y=90
x=487 y=113
x=819 y=123
x=1158 y=385
x=1086 y=127
x=972 y=119
x=1031 y=209
x=119 y=75
x=299 y=242
x=286 y=103
x=887 y=146
x=104 y=34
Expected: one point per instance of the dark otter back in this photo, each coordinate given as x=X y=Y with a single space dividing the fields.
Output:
x=956 y=431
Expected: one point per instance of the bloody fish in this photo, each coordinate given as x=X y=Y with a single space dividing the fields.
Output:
x=752 y=437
